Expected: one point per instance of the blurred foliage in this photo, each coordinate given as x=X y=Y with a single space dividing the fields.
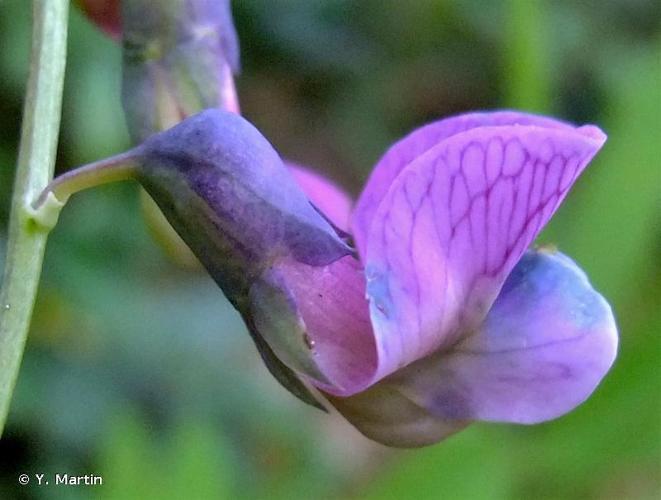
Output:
x=142 y=373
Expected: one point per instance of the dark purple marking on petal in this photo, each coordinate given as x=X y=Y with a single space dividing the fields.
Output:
x=453 y=402
x=435 y=292
x=515 y=158
x=395 y=160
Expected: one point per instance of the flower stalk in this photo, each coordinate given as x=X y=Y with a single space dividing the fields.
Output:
x=36 y=161
x=45 y=209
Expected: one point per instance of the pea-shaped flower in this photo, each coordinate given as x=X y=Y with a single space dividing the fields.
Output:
x=442 y=316
x=460 y=322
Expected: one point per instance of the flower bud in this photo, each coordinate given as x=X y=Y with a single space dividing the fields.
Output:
x=229 y=196
x=179 y=57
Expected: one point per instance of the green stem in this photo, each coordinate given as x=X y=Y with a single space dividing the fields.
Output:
x=116 y=168
x=36 y=160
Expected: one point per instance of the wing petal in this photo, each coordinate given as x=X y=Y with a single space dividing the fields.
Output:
x=546 y=344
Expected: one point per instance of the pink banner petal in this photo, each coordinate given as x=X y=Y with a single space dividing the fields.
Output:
x=327 y=196
x=455 y=222
x=445 y=237
x=417 y=142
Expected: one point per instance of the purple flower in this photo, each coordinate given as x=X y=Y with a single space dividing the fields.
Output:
x=444 y=316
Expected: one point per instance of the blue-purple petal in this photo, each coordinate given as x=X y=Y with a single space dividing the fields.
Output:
x=547 y=342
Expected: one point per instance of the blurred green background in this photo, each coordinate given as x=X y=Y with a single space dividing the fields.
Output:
x=141 y=372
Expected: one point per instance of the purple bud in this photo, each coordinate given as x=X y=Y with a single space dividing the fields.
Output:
x=179 y=57
x=228 y=194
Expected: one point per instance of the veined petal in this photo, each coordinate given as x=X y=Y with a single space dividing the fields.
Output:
x=417 y=142
x=453 y=225
x=426 y=289
x=545 y=345
x=324 y=194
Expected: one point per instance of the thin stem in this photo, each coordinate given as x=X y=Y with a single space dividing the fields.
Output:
x=36 y=160
x=45 y=210
x=116 y=168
